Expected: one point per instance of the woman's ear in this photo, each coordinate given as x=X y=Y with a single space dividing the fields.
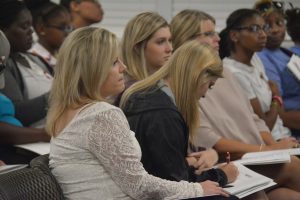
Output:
x=74 y=6
x=234 y=36
x=40 y=29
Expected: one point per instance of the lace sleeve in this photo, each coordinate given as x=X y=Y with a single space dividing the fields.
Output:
x=112 y=142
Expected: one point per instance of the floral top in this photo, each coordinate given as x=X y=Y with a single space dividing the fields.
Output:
x=97 y=156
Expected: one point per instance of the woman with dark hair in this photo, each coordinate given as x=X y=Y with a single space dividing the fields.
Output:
x=262 y=93
x=52 y=23
x=27 y=76
x=275 y=59
x=11 y=130
x=293 y=28
x=83 y=12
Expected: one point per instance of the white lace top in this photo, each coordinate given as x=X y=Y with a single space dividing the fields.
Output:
x=97 y=157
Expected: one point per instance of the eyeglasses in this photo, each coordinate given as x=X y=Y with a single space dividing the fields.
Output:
x=208 y=34
x=2 y=65
x=255 y=28
x=66 y=29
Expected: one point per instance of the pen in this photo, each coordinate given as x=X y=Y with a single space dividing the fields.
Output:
x=227 y=157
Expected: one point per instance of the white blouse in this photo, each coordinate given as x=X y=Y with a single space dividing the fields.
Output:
x=96 y=156
x=255 y=84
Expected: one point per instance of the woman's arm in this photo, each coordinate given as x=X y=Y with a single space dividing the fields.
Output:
x=112 y=142
x=10 y=134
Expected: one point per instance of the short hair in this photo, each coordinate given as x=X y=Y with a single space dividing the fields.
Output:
x=9 y=12
x=136 y=35
x=83 y=64
x=192 y=65
x=293 y=23
x=44 y=10
x=186 y=25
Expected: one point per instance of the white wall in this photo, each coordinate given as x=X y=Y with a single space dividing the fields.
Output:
x=118 y=12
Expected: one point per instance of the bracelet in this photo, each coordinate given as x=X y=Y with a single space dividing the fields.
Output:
x=277 y=99
x=275 y=104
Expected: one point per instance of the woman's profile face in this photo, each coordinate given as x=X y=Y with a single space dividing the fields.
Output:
x=202 y=89
x=114 y=83
x=209 y=35
x=56 y=30
x=158 y=49
x=19 y=33
x=277 y=30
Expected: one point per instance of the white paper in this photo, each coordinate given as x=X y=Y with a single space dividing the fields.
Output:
x=265 y=158
x=248 y=182
x=40 y=148
x=294 y=66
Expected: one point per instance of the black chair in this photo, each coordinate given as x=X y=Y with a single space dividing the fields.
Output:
x=33 y=183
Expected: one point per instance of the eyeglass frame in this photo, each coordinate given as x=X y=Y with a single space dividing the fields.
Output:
x=207 y=34
x=254 y=28
x=65 y=29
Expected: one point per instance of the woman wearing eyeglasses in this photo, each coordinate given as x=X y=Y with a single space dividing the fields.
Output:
x=275 y=60
x=245 y=34
x=243 y=38
x=83 y=12
x=52 y=23
x=27 y=76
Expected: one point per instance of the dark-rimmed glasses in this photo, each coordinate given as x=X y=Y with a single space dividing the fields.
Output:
x=66 y=29
x=255 y=28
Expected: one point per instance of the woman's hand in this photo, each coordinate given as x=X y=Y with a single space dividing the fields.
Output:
x=231 y=171
x=203 y=160
x=212 y=188
x=286 y=143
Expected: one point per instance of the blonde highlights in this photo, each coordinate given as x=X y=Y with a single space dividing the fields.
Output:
x=186 y=25
x=136 y=35
x=192 y=65
x=83 y=63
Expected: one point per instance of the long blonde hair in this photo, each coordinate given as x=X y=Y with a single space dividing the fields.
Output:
x=192 y=65
x=137 y=33
x=186 y=25
x=83 y=64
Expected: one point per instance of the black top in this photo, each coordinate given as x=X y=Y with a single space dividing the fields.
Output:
x=163 y=137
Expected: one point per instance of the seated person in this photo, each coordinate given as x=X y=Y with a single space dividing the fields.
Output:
x=52 y=23
x=11 y=130
x=275 y=59
x=93 y=152
x=162 y=110
x=28 y=78
x=83 y=12
x=293 y=28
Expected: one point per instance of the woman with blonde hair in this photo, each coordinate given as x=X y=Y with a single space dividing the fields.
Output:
x=93 y=152
x=146 y=46
x=192 y=24
x=163 y=111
